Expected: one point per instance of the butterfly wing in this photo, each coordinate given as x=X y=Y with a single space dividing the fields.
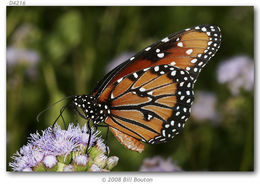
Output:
x=128 y=141
x=150 y=105
x=189 y=49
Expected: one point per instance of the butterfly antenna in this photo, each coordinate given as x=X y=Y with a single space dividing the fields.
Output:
x=38 y=116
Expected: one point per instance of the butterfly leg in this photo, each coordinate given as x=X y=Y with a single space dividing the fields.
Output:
x=64 y=123
x=75 y=116
x=106 y=138
x=89 y=137
x=106 y=141
x=88 y=125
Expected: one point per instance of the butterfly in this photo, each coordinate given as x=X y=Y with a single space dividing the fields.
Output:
x=148 y=98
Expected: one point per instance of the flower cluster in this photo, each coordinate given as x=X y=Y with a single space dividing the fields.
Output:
x=64 y=150
x=158 y=164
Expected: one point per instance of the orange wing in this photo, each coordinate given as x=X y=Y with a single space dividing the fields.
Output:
x=189 y=49
x=128 y=141
x=150 y=105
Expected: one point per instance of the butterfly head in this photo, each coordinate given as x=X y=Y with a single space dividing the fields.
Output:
x=91 y=107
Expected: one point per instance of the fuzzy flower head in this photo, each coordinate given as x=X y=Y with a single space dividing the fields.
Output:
x=237 y=72
x=56 y=150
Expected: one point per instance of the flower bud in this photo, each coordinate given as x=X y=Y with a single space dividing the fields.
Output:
x=112 y=162
x=99 y=148
x=50 y=162
x=95 y=168
x=102 y=147
x=68 y=168
x=81 y=162
x=101 y=160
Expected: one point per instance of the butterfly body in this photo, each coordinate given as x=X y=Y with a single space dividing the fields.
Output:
x=92 y=108
x=148 y=97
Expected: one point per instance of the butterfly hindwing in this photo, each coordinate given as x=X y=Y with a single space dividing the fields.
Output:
x=128 y=141
x=152 y=104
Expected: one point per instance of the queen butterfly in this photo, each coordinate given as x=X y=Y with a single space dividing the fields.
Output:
x=148 y=98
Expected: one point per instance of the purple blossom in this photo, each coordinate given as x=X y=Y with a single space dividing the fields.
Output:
x=29 y=156
x=50 y=161
x=28 y=58
x=237 y=72
x=17 y=55
x=158 y=164
x=81 y=160
x=204 y=107
x=51 y=143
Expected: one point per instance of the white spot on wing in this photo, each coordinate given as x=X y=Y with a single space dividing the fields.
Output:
x=119 y=80
x=173 y=73
x=156 y=68
x=149 y=117
x=193 y=60
x=204 y=29
x=189 y=51
x=180 y=44
x=160 y=55
x=163 y=133
x=141 y=89
x=166 y=39
x=173 y=63
x=147 y=49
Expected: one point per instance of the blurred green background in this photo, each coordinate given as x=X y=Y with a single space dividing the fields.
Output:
x=53 y=52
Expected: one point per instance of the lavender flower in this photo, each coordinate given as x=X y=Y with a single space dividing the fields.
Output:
x=204 y=107
x=25 y=57
x=62 y=150
x=237 y=72
x=16 y=55
x=158 y=164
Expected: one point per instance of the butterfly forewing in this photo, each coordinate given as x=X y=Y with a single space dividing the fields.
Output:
x=189 y=49
x=150 y=105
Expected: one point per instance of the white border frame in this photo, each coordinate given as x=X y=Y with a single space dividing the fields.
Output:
x=184 y=178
